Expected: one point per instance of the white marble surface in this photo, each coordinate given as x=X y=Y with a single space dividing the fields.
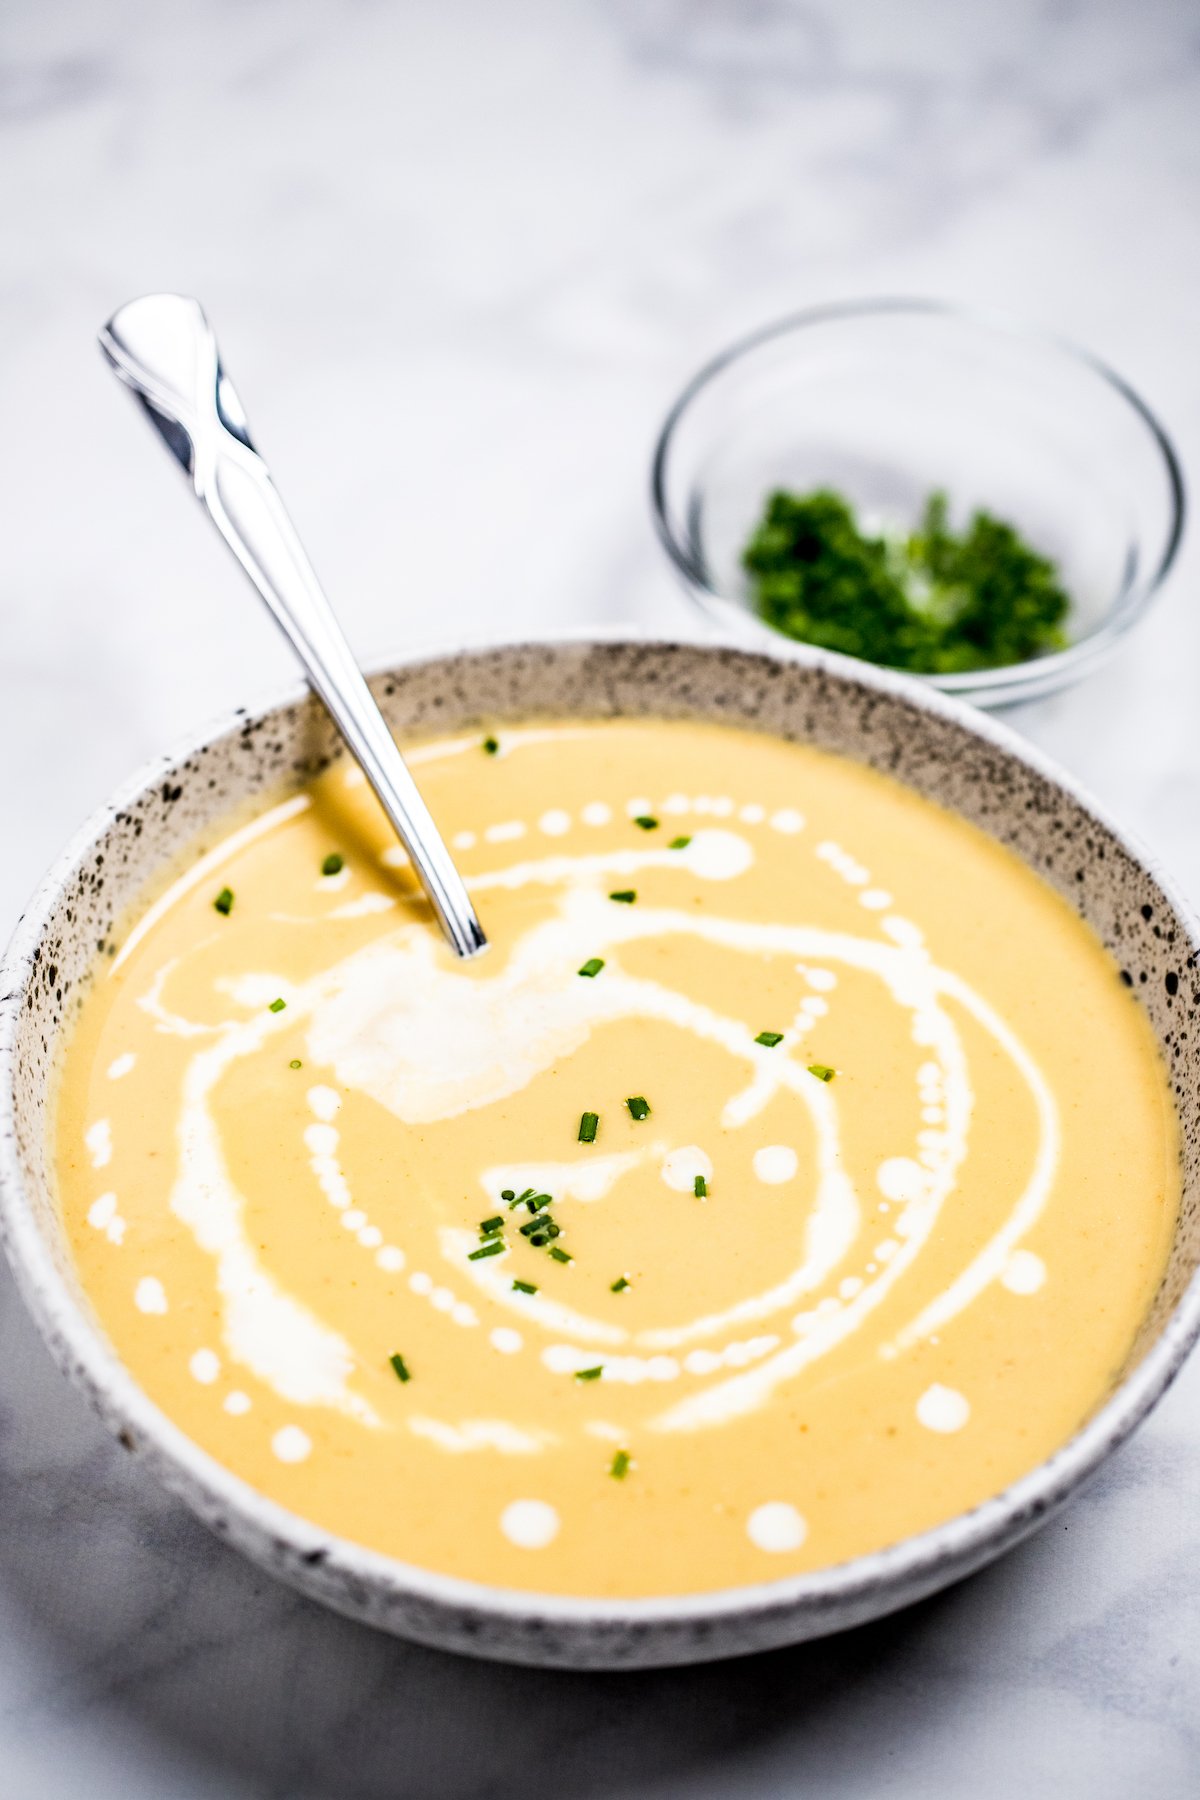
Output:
x=461 y=255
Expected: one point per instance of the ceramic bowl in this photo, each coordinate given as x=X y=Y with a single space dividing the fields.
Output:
x=939 y=747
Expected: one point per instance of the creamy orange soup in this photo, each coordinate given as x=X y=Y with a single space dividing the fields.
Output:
x=791 y=1173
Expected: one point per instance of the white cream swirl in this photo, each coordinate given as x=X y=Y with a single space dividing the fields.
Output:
x=401 y=1022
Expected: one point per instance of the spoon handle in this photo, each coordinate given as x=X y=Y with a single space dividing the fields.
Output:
x=163 y=347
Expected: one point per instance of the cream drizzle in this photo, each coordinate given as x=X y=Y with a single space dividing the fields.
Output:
x=480 y=1434
x=200 y=871
x=103 y=1215
x=494 y=1035
x=265 y=1329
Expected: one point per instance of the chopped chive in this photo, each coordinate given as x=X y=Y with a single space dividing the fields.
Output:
x=619 y=1285
x=295 y=1063
x=489 y=1227
x=493 y=1247
x=590 y=1374
x=333 y=864
x=563 y=1256
x=646 y=822
x=626 y=895
x=507 y=1194
x=517 y=1199
x=679 y=843
x=542 y=1230
x=639 y=1107
x=524 y=1287
x=401 y=1367
x=769 y=1039
x=535 y=1202
x=822 y=1071
x=277 y=1005
x=592 y=966
x=700 y=1188
x=587 y=1128
x=491 y=745
x=224 y=902
x=619 y=1466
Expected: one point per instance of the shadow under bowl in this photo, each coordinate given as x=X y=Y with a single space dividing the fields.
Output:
x=938 y=747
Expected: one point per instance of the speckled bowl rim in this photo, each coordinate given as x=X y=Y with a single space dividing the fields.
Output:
x=344 y=1574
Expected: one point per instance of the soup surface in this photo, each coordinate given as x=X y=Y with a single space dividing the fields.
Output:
x=791 y=1173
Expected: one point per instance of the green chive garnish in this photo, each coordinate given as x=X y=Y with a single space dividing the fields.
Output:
x=627 y=895
x=507 y=1194
x=224 y=902
x=590 y=1374
x=592 y=966
x=514 y=1200
x=563 y=1256
x=493 y=1247
x=619 y=1285
x=491 y=745
x=646 y=822
x=822 y=1071
x=489 y=1227
x=535 y=1202
x=587 y=1128
x=277 y=1005
x=679 y=843
x=700 y=1188
x=524 y=1287
x=619 y=1466
x=540 y=1222
x=401 y=1367
x=639 y=1107
x=295 y=1063
x=769 y=1038
x=333 y=864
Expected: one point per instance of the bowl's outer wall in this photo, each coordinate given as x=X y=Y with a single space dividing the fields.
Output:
x=719 y=413
x=935 y=747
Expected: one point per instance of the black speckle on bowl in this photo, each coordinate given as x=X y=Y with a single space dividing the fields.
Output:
x=943 y=751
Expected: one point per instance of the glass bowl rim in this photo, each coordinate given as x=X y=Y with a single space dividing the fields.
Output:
x=1034 y=675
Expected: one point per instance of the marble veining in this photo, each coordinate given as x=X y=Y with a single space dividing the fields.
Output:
x=461 y=257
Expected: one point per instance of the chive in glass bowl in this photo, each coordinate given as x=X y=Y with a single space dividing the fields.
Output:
x=889 y=402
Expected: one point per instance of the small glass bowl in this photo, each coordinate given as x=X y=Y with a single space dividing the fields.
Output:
x=886 y=401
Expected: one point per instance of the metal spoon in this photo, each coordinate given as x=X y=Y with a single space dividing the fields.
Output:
x=163 y=347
